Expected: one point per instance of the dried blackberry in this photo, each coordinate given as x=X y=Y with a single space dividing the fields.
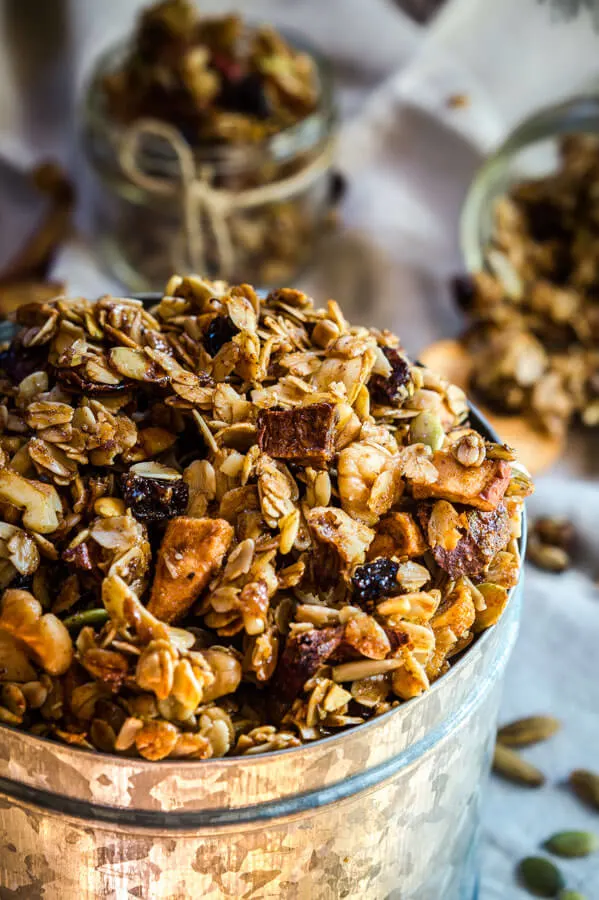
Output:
x=154 y=500
x=219 y=332
x=374 y=580
x=392 y=389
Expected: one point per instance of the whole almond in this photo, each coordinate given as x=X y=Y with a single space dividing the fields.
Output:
x=508 y=764
x=531 y=730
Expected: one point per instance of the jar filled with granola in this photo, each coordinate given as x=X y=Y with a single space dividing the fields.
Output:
x=530 y=239
x=210 y=144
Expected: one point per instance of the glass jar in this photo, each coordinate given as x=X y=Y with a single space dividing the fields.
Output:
x=389 y=810
x=530 y=151
x=244 y=212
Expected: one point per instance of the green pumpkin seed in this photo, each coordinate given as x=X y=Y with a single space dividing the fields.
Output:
x=572 y=843
x=426 y=428
x=571 y=895
x=87 y=617
x=524 y=732
x=510 y=765
x=540 y=877
x=585 y=785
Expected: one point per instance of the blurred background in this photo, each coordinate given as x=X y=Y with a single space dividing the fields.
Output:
x=425 y=92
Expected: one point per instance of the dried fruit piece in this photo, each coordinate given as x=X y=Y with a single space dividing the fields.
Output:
x=531 y=730
x=585 y=785
x=393 y=388
x=508 y=764
x=154 y=499
x=540 y=877
x=398 y=534
x=375 y=579
x=482 y=486
x=220 y=331
x=192 y=550
x=555 y=530
x=302 y=656
x=303 y=434
x=486 y=533
x=572 y=844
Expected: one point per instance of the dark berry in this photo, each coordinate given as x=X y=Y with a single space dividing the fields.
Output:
x=18 y=362
x=392 y=389
x=464 y=291
x=220 y=330
x=246 y=95
x=22 y=582
x=374 y=580
x=153 y=500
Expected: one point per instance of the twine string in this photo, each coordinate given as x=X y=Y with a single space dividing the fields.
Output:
x=199 y=198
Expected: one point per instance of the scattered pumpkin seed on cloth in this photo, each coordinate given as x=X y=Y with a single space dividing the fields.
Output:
x=227 y=525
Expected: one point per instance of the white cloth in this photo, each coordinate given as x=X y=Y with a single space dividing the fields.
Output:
x=410 y=157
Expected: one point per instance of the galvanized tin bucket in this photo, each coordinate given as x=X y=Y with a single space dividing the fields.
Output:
x=387 y=810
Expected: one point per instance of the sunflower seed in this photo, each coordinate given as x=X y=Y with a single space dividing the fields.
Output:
x=508 y=764
x=531 y=730
x=546 y=556
x=586 y=785
x=540 y=877
x=572 y=843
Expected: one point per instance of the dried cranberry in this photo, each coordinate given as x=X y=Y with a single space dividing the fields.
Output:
x=220 y=331
x=391 y=390
x=152 y=500
x=374 y=580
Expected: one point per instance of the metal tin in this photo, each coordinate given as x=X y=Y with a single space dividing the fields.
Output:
x=386 y=810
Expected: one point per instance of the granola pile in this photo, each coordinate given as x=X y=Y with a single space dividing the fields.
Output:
x=534 y=311
x=211 y=77
x=232 y=525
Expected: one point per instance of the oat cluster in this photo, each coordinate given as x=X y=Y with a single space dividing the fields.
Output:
x=213 y=78
x=535 y=309
x=232 y=525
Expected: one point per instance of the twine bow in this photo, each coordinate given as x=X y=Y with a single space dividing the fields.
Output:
x=199 y=197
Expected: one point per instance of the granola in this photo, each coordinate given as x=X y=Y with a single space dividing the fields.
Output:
x=534 y=318
x=222 y=532
x=231 y=172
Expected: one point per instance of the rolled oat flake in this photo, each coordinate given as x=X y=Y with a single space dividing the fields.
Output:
x=540 y=877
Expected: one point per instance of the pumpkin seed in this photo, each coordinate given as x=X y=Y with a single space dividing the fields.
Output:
x=586 y=785
x=531 y=730
x=572 y=843
x=87 y=617
x=540 y=877
x=510 y=765
x=426 y=428
x=571 y=895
